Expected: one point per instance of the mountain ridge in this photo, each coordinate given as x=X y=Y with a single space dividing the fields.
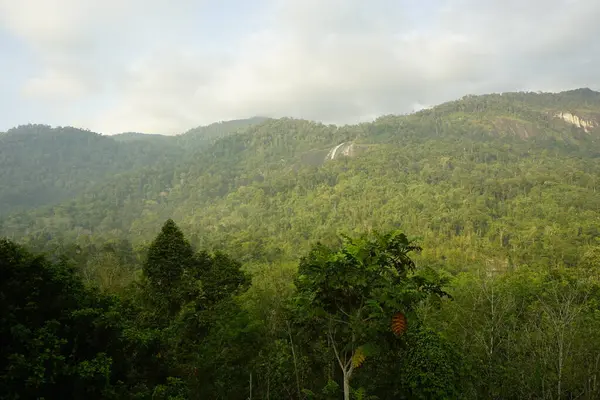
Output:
x=265 y=190
x=579 y=96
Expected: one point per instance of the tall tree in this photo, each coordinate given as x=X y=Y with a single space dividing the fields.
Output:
x=170 y=256
x=355 y=297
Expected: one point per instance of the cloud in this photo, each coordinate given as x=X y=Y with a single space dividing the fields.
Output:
x=54 y=84
x=164 y=69
x=84 y=47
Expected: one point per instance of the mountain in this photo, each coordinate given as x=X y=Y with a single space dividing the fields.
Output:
x=499 y=190
x=502 y=178
x=41 y=165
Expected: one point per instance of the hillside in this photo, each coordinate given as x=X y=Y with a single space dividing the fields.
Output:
x=289 y=261
x=498 y=177
x=41 y=165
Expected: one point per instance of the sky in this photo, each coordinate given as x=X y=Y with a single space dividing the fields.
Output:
x=165 y=66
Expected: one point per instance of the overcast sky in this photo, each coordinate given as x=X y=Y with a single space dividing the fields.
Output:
x=161 y=66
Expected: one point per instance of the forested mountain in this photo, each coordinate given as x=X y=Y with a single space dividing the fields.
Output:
x=504 y=169
x=499 y=191
x=41 y=165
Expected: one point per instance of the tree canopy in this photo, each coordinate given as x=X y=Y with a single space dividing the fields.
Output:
x=450 y=253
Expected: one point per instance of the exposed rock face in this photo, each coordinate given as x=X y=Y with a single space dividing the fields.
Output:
x=523 y=129
x=586 y=125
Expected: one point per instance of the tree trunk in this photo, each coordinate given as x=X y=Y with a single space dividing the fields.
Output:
x=345 y=362
x=294 y=358
x=346 y=386
x=250 y=385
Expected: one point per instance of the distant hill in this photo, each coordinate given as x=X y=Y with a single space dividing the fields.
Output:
x=41 y=165
x=133 y=136
x=494 y=177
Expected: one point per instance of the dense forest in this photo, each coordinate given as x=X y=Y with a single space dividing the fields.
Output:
x=450 y=253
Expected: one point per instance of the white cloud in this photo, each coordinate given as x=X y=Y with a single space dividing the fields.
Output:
x=335 y=61
x=53 y=85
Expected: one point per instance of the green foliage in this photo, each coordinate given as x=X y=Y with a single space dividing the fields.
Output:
x=430 y=369
x=494 y=177
x=361 y=394
x=59 y=339
x=372 y=275
x=347 y=297
x=524 y=334
x=205 y=336
x=221 y=276
x=499 y=189
x=174 y=389
x=170 y=258
x=40 y=165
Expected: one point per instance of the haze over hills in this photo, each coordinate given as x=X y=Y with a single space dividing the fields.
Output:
x=263 y=187
x=41 y=165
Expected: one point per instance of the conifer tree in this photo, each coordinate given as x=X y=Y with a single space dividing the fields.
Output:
x=170 y=256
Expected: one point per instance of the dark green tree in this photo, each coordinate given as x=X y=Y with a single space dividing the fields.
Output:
x=215 y=340
x=220 y=275
x=206 y=340
x=59 y=338
x=170 y=258
x=348 y=297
